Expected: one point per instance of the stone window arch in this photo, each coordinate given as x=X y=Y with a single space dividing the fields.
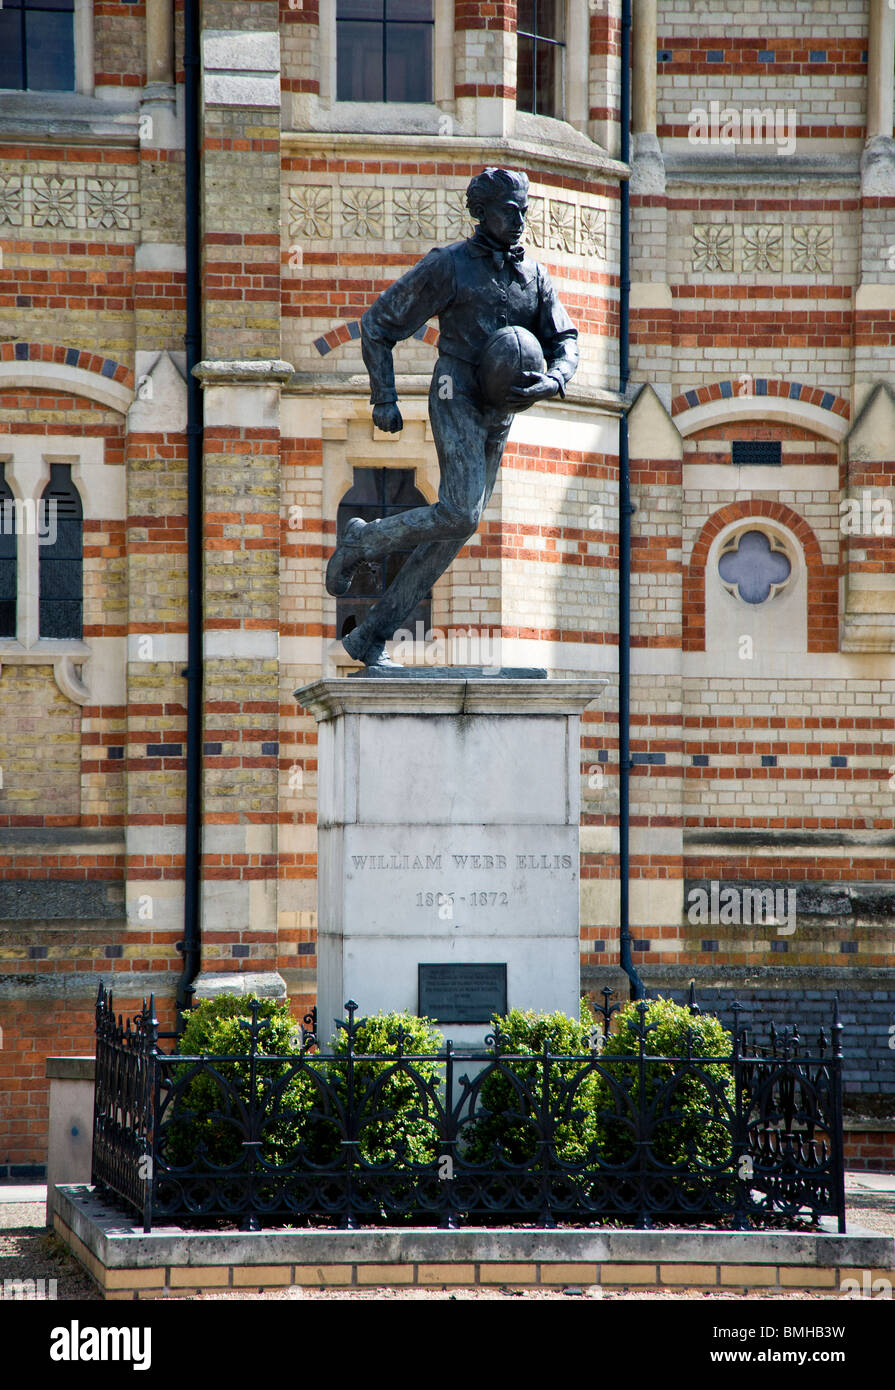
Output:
x=756 y=587
x=810 y=600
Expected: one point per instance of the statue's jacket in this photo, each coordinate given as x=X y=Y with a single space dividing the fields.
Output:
x=474 y=288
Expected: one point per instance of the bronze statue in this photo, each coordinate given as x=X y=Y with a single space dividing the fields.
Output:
x=479 y=288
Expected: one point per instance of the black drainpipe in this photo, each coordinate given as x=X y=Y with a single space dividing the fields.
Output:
x=625 y=510
x=191 y=945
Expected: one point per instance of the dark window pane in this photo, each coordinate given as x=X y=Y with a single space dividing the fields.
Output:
x=68 y=535
x=365 y=487
x=359 y=62
x=61 y=566
x=525 y=75
x=8 y=585
x=7 y=519
x=49 y=5
x=525 y=16
x=550 y=19
x=399 y=490
x=60 y=619
x=410 y=9
x=409 y=62
x=360 y=9
x=549 y=78
x=10 y=49
x=61 y=579
x=51 y=51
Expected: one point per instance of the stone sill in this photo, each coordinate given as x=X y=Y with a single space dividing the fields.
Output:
x=69 y=118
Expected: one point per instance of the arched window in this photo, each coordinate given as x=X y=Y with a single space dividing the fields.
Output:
x=8 y=558
x=375 y=493
x=61 y=556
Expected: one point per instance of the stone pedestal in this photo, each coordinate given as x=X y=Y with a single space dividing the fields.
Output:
x=448 y=818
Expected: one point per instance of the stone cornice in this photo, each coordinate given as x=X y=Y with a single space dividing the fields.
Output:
x=417 y=695
x=590 y=163
x=417 y=384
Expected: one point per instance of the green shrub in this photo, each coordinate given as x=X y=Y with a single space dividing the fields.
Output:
x=205 y=1122
x=398 y=1121
x=692 y=1118
x=510 y=1097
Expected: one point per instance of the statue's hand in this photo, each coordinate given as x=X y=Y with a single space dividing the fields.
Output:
x=388 y=418
x=538 y=386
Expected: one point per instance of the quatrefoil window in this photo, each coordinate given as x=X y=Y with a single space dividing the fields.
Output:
x=754 y=566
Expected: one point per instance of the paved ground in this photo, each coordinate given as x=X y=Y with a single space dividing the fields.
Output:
x=29 y=1251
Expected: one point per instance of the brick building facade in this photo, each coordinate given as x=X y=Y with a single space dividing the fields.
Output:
x=761 y=418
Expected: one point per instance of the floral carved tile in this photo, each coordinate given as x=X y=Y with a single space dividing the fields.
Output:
x=414 y=213
x=536 y=222
x=763 y=248
x=812 y=250
x=593 y=232
x=713 y=247
x=457 y=221
x=561 y=223
x=363 y=212
x=310 y=211
x=54 y=202
x=108 y=203
x=12 y=201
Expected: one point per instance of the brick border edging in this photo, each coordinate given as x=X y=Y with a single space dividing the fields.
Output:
x=125 y=1264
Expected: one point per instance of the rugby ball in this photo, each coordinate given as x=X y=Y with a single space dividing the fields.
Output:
x=507 y=355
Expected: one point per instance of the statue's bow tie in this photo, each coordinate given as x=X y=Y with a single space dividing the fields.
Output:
x=510 y=257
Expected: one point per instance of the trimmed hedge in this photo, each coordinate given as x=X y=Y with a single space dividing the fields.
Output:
x=204 y=1122
x=691 y=1114
x=399 y=1123
x=505 y=1128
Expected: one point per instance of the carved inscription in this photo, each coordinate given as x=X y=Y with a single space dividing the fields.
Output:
x=460 y=884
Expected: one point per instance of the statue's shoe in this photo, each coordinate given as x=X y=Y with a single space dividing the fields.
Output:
x=372 y=654
x=345 y=558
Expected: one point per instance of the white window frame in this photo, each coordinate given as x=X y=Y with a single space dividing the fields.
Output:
x=575 y=100
x=82 y=22
x=373 y=112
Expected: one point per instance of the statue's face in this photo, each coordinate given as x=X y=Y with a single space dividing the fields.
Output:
x=504 y=218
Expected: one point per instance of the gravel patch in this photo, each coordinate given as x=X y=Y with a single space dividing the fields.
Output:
x=29 y=1251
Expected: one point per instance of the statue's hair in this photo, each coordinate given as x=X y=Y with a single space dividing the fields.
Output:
x=493 y=183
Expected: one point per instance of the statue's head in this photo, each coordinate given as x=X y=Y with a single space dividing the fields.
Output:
x=498 y=200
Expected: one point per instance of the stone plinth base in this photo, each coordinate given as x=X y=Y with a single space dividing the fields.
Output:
x=448 y=820
x=173 y=1262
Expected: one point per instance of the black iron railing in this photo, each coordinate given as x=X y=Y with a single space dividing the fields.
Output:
x=468 y=1137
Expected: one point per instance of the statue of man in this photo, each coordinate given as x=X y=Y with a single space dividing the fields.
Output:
x=475 y=287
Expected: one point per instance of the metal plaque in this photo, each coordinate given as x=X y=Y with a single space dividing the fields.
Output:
x=462 y=993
